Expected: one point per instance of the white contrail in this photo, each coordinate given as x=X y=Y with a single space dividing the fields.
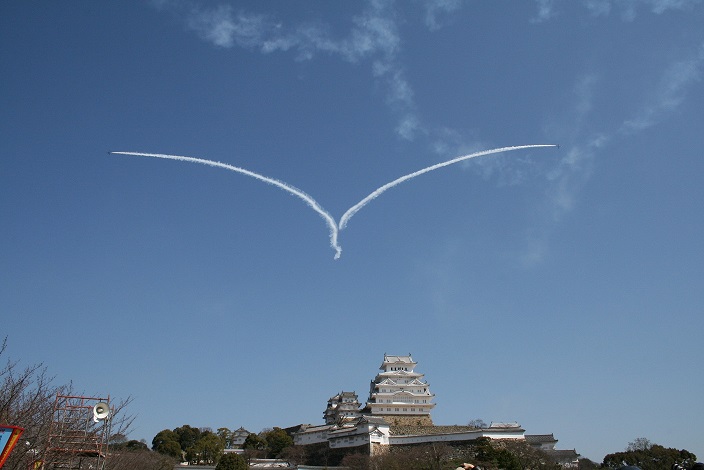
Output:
x=354 y=209
x=332 y=225
x=286 y=187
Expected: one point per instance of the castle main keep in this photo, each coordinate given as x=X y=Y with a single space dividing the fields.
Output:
x=399 y=394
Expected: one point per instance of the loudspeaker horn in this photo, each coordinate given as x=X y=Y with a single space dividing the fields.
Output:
x=101 y=410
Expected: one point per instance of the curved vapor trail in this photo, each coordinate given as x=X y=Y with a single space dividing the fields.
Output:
x=356 y=208
x=280 y=184
x=334 y=226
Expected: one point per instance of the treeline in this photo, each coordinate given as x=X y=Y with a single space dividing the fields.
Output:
x=484 y=452
x=649 y=456
x=204 y=446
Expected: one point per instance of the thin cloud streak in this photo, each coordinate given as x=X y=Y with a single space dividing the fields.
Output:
x=628 y=9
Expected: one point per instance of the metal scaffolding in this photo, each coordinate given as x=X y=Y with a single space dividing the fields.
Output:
x=78 y=436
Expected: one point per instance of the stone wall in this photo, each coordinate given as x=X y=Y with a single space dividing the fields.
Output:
x=322 y=454
x=407 y=420
x=415 y=429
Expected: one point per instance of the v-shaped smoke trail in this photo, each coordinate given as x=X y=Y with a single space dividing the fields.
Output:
x=356 y=208
x=280 y=184
x=313 y=204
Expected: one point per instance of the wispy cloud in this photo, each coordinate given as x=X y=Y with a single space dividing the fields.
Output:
x=598 y=7
x=670 y=93
x=574 y=169
x=627 y=9
x=582 y=145
x=546 y=10
x=660 y=6
x=571 y=174
x=437 y=10
x=565 y=182
x=224 y=29
x=373 y=36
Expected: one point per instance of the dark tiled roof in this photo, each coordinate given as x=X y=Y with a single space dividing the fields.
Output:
x=569 y=454
x=539 y=438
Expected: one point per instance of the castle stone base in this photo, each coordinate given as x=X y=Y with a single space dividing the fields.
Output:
x=407 y=420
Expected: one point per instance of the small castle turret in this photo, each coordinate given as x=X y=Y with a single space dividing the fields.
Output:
x=341 y=408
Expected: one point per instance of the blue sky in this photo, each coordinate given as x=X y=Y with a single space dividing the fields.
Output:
x=562 y=288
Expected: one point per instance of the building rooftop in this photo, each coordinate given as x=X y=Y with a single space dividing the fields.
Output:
x=563 y=455
x=540 y=438
x=398 y=360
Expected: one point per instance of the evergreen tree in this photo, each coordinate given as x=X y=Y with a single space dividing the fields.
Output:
x=231 y=462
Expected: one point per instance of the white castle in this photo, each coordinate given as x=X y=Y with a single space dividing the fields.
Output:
x=341 y=408
x=396 y=413
x=399 y=394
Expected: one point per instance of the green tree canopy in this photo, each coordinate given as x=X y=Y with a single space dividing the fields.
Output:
x=135 y=445
x=226 y=435
x=489 y=455
x=277 y=440
x=654 y=457
x=231 y=462
x=166 y=442
x=131 y=445
x=117 y=439
x=207 y=449
x=254 y=442
x=187 y=436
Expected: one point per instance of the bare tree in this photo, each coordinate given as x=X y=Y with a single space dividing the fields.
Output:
x=294 y=455
x=27 y=399
x=356 y=461
x=139 y=460
x=639 y=443
x=434 y=455
x=477 y=423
